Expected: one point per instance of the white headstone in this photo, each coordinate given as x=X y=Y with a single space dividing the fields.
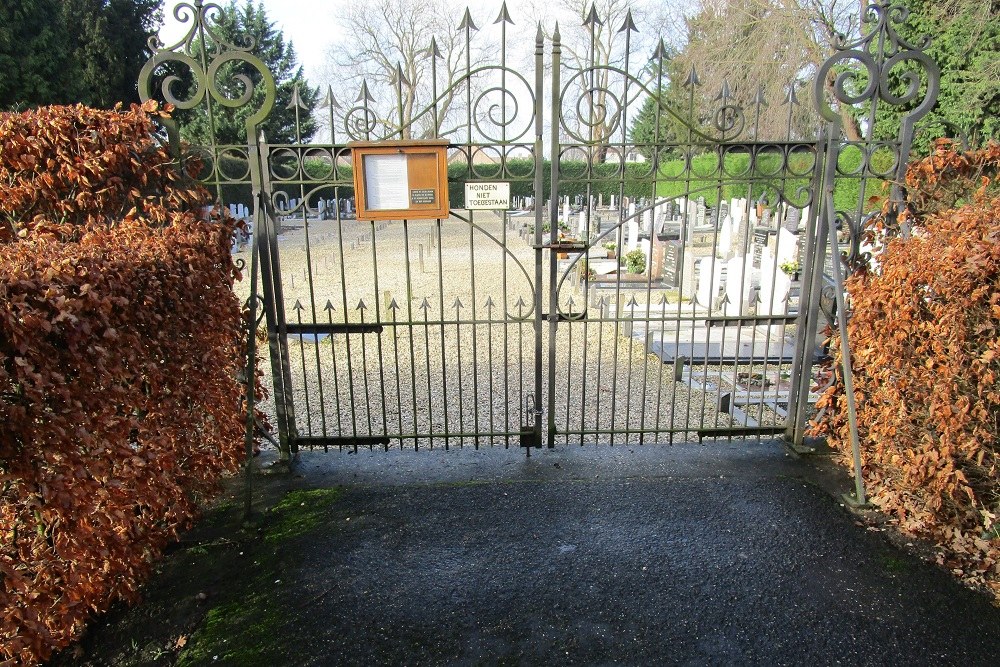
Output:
x=786 y=248
x=565 y=212
x=582 y=224
x=647 y=221
x=633 y=234
x=725 y=249
x=709 y=280
x=739 y=285
x=774 y=287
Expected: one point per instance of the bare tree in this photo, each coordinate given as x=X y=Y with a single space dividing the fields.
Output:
x=596 y=37
x=766 y=49
x=396 y=56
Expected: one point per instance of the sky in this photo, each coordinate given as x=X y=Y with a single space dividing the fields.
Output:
x=312 y=25
x=309 y=24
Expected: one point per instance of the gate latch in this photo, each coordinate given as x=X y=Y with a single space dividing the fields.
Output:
x=529 y=436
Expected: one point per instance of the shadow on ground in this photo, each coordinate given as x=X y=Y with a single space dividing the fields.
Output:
x=693 y=554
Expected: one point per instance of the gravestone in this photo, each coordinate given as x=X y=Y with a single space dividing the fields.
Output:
x=647 y=222
x=785 y=250
x=760 y=237
x=709 y=281
x=632 y=241
x=673 y=259
x=741 y=231
x=700 y=212
x=581 y=226
x=725 y=247
x=774 y=287
x=792 y=219
x=738 y=286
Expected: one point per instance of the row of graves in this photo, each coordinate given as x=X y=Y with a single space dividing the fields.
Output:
x=718 y=292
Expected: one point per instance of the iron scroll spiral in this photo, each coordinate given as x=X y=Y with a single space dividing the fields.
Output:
x=879 y=52
x=203 y=53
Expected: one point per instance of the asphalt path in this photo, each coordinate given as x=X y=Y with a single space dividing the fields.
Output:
x=720 y=553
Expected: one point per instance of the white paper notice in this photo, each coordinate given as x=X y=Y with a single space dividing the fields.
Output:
x=387 y=182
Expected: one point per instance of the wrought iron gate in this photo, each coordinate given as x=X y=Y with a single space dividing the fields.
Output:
x=524 y=326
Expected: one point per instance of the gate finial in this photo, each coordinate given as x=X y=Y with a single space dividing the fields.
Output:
x=592 y=19
x=467 y=22
x=629 y=24
x=504 y=15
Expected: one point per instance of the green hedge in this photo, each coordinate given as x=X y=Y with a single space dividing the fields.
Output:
x=738 y=180
x=606 y=179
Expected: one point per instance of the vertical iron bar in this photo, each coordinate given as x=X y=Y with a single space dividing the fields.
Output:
x=444 y=364
x=378 y=338
x=274 y=305
x=409 y=329
x=475 y=328
x=553 y=235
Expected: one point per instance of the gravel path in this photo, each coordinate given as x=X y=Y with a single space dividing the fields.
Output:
x=454 y=362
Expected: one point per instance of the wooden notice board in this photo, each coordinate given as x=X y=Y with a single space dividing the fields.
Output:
x=395 y=180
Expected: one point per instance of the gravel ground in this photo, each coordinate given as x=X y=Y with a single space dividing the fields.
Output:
x=454 y=362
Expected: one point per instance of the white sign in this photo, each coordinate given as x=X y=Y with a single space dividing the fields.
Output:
x=386 y=182
x=487 y=196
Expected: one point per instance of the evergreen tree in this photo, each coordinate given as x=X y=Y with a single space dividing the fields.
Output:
x=965 y=43
x=109 y=46
x=61 y=52
x=34 y=57
x=239 y=25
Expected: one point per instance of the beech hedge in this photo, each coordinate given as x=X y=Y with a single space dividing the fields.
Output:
x=120 y=357
x=925 y=343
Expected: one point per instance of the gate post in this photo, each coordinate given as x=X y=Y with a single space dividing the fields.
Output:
x=553 y=236
x=539 y=186
x=274 y=302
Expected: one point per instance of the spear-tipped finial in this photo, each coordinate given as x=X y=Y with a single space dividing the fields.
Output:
x=539 y=34
x=520 y=302
x=489 y=302
x=790 y=96
x=504 y=15
x=556 y=37
x=329 y=306
x=592 y=18
x=393 y=305
x=602 y=302
x=692 y=78
x=330 y=101
x=725 y=94
x=398 y=77
x=467 y=22
x=663 y=299
x=425 y=305
x=760 y=98
x=571 y=302
x=632 y=303
x=457 y=304
x=361 y=305
x=298 y=305
x=661 y=52
x=296 y=100
x=629 y=24
x=364 y=95
x=434 y=51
